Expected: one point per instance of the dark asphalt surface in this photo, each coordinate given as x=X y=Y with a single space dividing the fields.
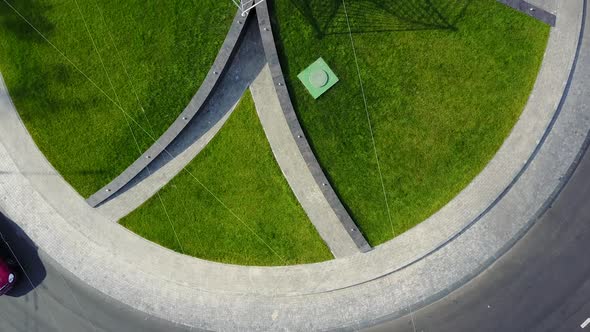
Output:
x=541 y=284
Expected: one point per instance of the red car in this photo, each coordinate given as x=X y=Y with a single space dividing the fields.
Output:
x=7 y=275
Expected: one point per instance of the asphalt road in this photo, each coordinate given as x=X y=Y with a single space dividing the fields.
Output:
x=48 y=299
x=541 y=284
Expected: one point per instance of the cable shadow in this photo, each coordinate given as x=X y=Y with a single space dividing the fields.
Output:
x=15 y=243
x=327 y=17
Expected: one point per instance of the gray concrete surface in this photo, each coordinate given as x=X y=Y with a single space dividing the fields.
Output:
x=218 y=69
x=294 y=168
x=547 y=5
x=534 y=9
x=242 y=70
x=412 y=270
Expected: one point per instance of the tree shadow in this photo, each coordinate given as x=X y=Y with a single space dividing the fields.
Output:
x=328 y=17
x=16 y=244
x=33 y=11
x=45 y=90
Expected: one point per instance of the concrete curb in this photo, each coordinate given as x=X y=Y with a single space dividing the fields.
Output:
x=196 y=104
x=401 y=274
x=531 y=10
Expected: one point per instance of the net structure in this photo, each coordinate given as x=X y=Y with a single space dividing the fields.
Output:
x=246 y=6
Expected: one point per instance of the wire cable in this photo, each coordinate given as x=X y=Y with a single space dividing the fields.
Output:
x=368 y=119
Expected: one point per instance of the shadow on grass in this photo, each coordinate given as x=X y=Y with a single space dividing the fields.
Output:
x=327 y=17
x=15 y=244
x=44 y=93
x=33 y=11
x=40 y=103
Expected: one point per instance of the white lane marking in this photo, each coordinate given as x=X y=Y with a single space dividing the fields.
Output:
x=585 y=323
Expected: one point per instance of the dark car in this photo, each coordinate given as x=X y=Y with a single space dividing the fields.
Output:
x=8 y=269
x=8 y=275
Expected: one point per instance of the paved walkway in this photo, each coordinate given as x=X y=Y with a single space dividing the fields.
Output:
x=242 y=70
x=414 y=268
x=295 y=169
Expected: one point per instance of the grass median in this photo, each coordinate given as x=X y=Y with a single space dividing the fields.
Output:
x=231 y=204
x=443 y=84
x=145 y=57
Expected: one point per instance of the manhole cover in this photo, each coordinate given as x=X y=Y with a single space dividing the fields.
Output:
x=318 y=78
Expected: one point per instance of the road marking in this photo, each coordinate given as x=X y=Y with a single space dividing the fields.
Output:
x=585 y=323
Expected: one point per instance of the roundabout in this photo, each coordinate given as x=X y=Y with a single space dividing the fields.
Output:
x=362 y=286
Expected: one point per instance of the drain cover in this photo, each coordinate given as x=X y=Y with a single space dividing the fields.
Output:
x=318 y=78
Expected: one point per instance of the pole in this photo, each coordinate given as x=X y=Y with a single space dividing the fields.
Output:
x=245 y=6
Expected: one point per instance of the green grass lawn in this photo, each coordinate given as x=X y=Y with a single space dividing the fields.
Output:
x=156 y=54
x=445 y=81
x=269 y=226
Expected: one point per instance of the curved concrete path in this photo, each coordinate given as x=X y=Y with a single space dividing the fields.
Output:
x=242 y=69
x=326 y=204
x=280 y=123
x=295 y=169
x=217 y=70
x=418 y=266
